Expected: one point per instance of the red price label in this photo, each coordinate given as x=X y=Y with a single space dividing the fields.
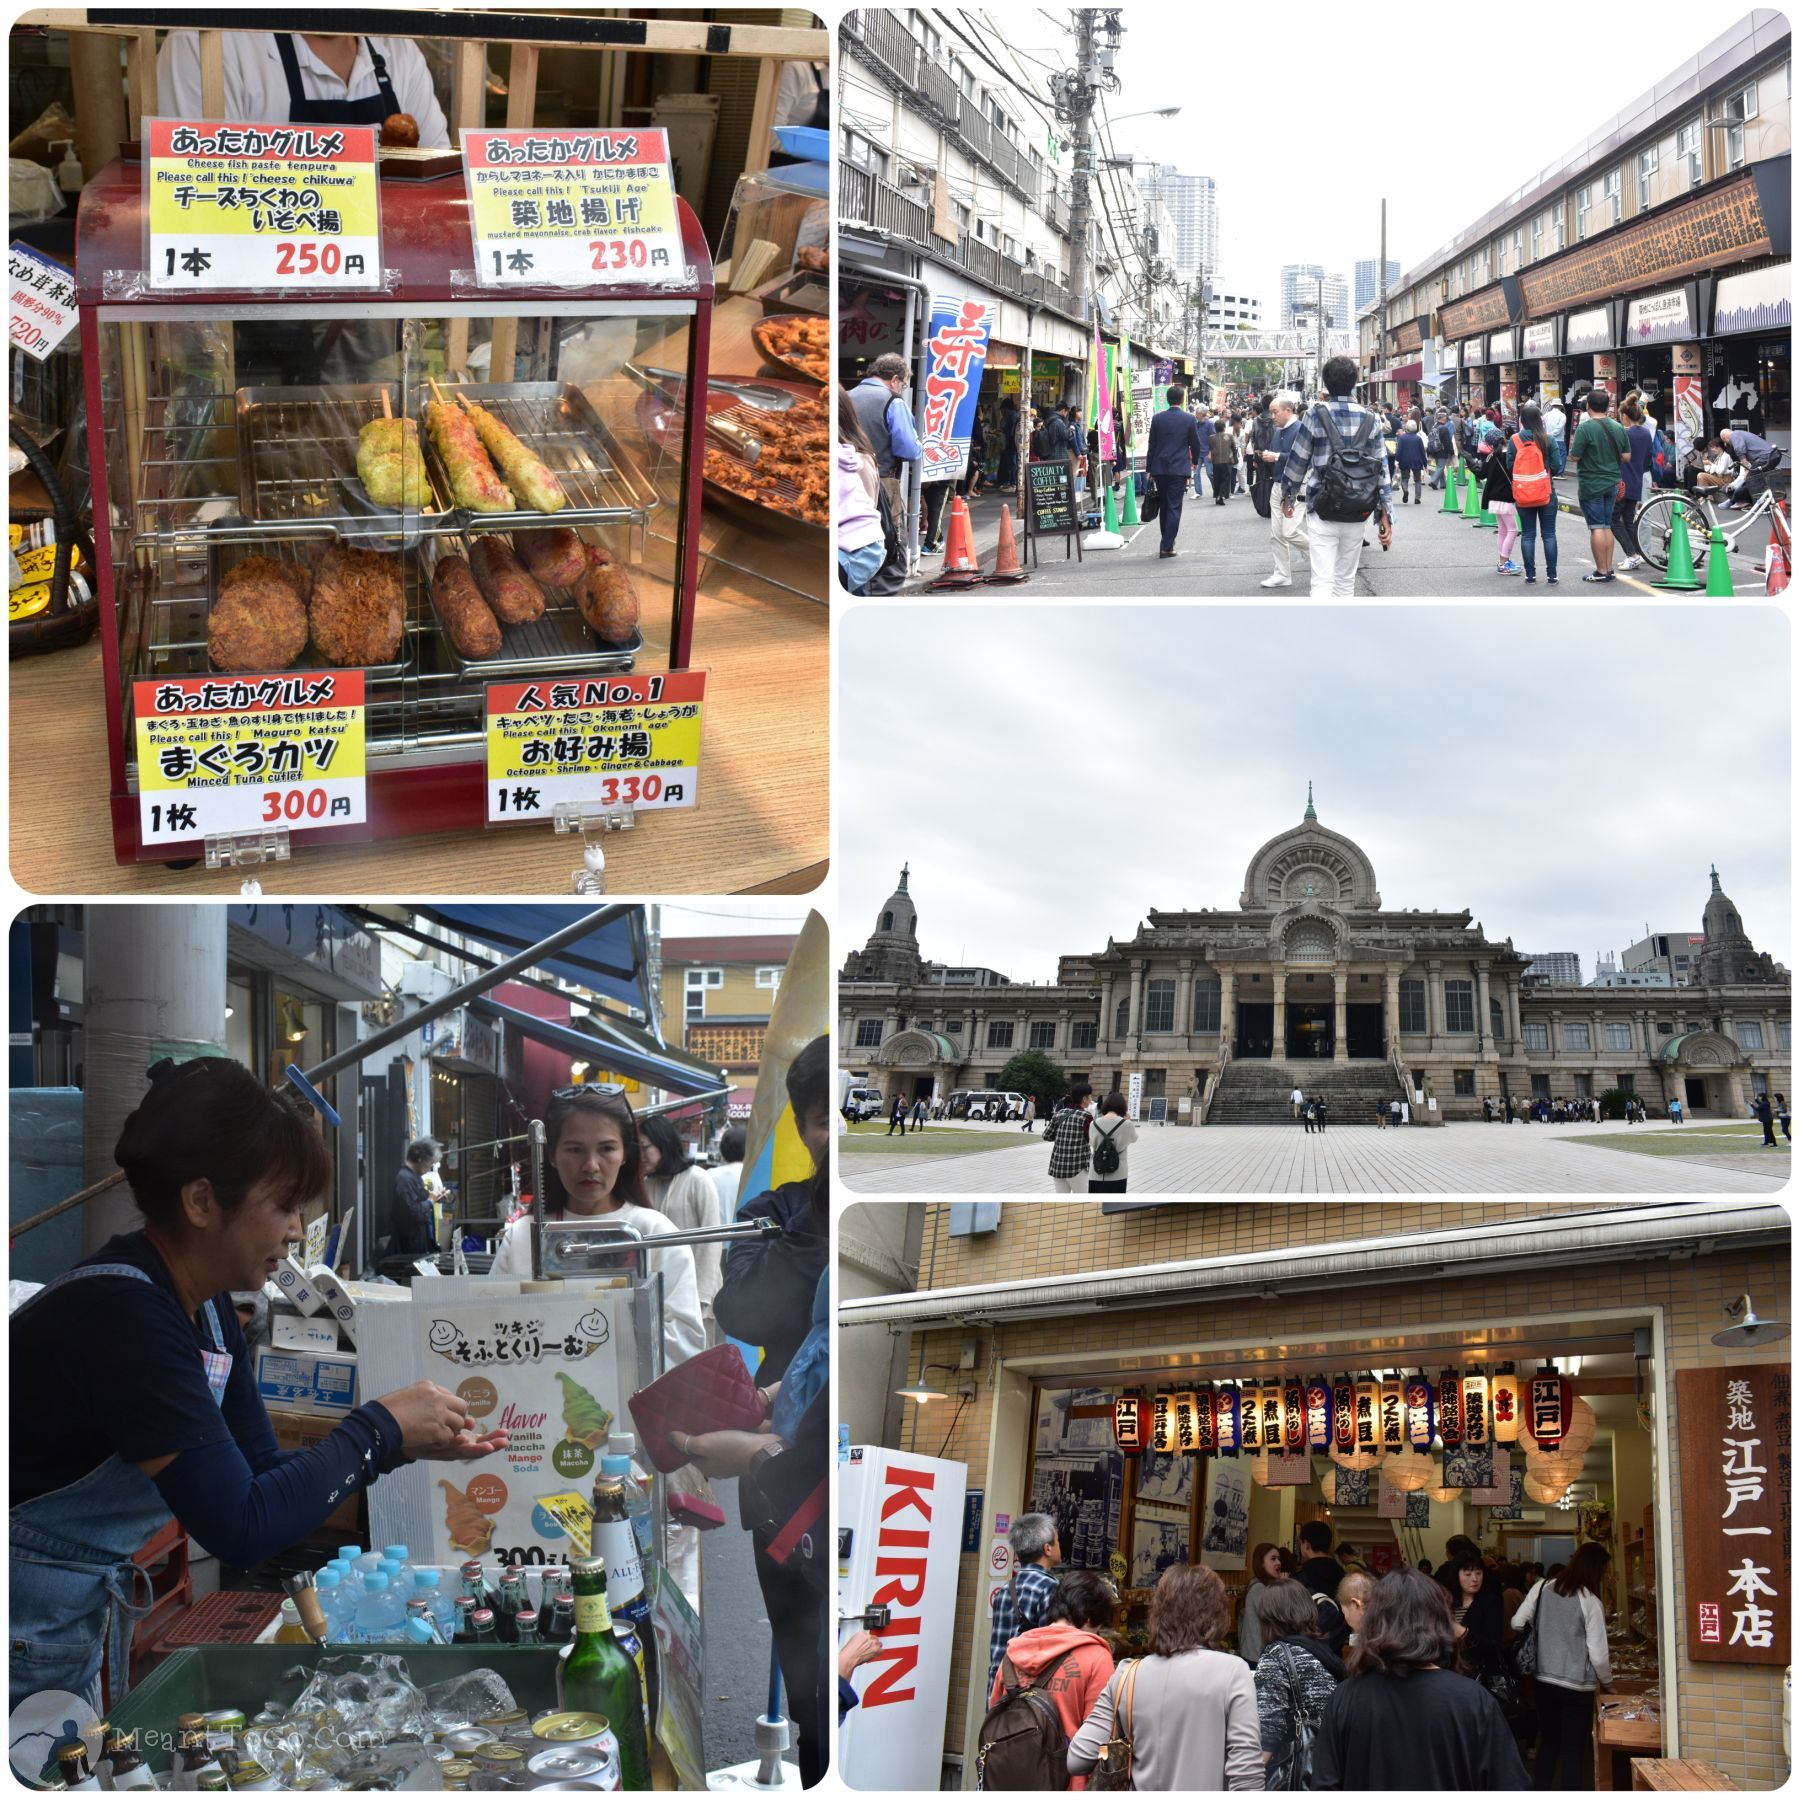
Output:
x=619 y=253
x=291 y=805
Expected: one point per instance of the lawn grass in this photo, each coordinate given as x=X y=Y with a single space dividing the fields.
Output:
x=932 y=1140
x=1689 y=1140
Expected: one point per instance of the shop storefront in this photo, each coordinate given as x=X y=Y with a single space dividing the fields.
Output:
x=1588 y=340
x=1540 y=372
x=1548 y=1382
x=1654 y=325
x=1751 y=353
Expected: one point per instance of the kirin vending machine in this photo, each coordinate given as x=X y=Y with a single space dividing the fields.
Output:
x=900 y=1521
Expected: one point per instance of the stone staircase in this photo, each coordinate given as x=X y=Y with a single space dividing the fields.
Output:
x=1252 y=1092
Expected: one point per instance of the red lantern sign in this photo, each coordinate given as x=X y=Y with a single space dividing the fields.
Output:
x=1552 y=1403
x=1449 y=1409
x=1128 y=1421
x=1343 y=1413
x=1205 y=1429
x=1318 y=1414
x=1418 y=1413
x=1294 y=1420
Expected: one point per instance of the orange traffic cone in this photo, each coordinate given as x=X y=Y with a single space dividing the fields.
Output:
x=1007 y=567
x=1776 y=559
x=961 y=570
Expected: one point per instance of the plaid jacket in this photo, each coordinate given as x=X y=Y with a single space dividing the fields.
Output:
x=1312 y=450
x=1019 y=1606
x=1068 y=1135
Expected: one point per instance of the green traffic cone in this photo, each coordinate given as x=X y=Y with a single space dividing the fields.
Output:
x=1471 y=498
x=1681 y=556
x=1452 y=479
x=1109 y=511
x=1128 y=514
x=1718 y=567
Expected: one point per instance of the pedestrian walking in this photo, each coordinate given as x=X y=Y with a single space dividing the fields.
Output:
x=1443 y=450
x=897 y=1117
x=1783 y=1113
x=1067 y=1136
x=1642 y=439
x=1381 y=1115
x=1572 y=1660
x=1337 y=472
x=888 y=425
x=1224 y=455
x=1534 y=458
x=861 y=541
x=1297 y=1099
x=918 y=1114
x=1287 y=527
x=1394 y=1113
x=1296 y=1674
x=1175 y=449
x=1205 y=424
x=1112 y=1136
x=1764 y=1114
x=1409 y=461
x=1308 y=1113
x=1188 y=1708
x=1599 y=453
x=1677 y=1111
x=1009 y=445
x=1497 y=497
x=1258 y=474
x=1322 y=1108
x=1030 y=1114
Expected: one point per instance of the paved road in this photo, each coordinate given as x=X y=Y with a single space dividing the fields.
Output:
x=1224 y=552
x=1347 y=1159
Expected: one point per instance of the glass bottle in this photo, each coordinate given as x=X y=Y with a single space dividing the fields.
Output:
x=73 y=1771
x=615 y=1539
x=420 y=1610
x=128 y=1768
x=465 y=1620
x=562 y=1620
x=598 y=1677
x=290 y=1630
x=622 y=1461
x=526 y=1629
x=192 y=1754
x=482 y=1623
x=509 y=1604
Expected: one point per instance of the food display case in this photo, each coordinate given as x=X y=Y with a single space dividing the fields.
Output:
x=284 y=481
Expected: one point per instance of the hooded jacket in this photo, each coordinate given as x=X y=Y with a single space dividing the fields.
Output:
x=1075 y=1686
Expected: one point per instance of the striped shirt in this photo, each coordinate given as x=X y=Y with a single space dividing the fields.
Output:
x=1312 y=449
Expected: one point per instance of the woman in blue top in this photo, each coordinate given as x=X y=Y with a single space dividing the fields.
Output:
x=1643 y=442
x=1535 y=514
x=146 y=1406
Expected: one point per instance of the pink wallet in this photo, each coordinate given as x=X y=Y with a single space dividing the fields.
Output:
x=709 y=1392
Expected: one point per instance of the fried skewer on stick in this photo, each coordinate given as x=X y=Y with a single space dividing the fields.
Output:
x=527 y=475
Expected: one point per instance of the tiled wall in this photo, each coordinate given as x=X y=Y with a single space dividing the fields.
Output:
x=1730 y=1716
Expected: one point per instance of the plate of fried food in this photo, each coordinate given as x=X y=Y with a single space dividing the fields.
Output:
x=333 y=605
x=797 y=341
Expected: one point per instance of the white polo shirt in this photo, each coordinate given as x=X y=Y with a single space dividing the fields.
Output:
x=256 y=85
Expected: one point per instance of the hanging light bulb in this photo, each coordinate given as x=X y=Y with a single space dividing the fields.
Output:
x=1442 y=1496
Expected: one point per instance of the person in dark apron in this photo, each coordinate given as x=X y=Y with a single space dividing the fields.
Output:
x=141 y=1404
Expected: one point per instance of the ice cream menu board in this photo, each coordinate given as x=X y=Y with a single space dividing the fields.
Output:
x=545 y=1370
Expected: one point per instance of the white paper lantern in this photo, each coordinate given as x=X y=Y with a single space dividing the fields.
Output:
x=1582 y=1425
x=1357 y=1459
x=1442 y=1496
x=1545 y=1493
x=1410 y=1471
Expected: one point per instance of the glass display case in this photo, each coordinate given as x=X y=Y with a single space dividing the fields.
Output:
x=435 y=483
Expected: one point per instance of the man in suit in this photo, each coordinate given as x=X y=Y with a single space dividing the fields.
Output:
x=1174 y=451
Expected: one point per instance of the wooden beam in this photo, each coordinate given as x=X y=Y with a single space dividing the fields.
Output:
x=468 y=112
x=521 y=110
x=140 y=79
x=100 y=126
x=762 y=116
x=212 y=75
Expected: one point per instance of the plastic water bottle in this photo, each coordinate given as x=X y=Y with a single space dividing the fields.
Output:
x=427 y=1585
x=622 y=1461
x=338 y=1605
x=403 y=1556
x=398 y=1584
x=346 y=1564
x=420 y=1630
x=380 y=1616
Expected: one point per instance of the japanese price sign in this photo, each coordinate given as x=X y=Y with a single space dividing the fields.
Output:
x=955 y=350
x=613 y=740
x=43 y=301
x=1736 y=1428
x=583 y=208
x=261 y=206
x=219 y=753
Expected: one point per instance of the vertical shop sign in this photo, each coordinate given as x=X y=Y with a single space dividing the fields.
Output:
x=1128 y=1421
x=1690 y=400
x=1250 y=1418
x=1294 y=1416
x=1475 y=1408
x=1318 y=1414
x=1418 y=1413
x=1225 y=1414
x=1343 y=1414
x=1162 y=1424
x=1205 y=1426
x=1187 y=1439
x=955 y=354
x=1393 y=1416
x=1449 y=1409
x=1506 y=1407
x=1551 y=1402
x=1737 y=1493
x=1272 y=1418
x=1368 y=1422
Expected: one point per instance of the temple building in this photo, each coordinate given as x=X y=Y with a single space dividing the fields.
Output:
x=1311 y=980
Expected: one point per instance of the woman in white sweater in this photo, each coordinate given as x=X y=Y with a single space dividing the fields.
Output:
x=684 y=1194
x=1572 y=1660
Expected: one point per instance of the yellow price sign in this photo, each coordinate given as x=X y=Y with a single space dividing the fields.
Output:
x=224 y=753
x=247 y=206
x=626 y=741
x=556 y=207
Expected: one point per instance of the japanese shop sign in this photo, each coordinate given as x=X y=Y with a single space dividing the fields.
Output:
x=43 y=301
x=218 y=753
x=581 y=208
x=612 y=740
x=1736 y=1511
x=1420 y=1422
x=1293 y=1415
x=1128 y=1421
x=261 y=206
x=1318 y=1414
x=955 y=351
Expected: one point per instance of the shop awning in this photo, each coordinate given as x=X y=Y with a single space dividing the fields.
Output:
x=1411 y=371
x=1562 y=1240
x=613 y=1046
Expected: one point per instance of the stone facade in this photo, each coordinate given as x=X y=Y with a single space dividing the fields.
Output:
x=1313 y=980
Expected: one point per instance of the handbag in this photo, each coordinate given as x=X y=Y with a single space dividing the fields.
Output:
x=713 y=1391
x=1525 y=1655
x=1150 y=508
x=1112 y=1773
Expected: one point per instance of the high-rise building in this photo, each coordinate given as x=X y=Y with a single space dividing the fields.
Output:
x=1560 y=967
x=1674 y=953
x=1368 y=280
x=1193 y=205
x=1230 y=311
x=1304 y=286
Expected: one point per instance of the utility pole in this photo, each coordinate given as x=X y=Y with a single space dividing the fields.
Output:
x=1381 y=355
x=1319 y=290
x=1073 y=92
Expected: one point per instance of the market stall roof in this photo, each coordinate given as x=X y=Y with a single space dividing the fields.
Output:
x=609 y=961
x=615 y=1046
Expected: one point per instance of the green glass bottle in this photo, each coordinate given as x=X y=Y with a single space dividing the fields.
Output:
x=598 y=1676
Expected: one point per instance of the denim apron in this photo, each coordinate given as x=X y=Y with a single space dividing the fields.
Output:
x=76 y=1593
x=304 y=111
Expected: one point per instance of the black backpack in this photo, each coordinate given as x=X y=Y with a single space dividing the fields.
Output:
x=1349 y=485
x=1024 y=1748
x=1106 y=1152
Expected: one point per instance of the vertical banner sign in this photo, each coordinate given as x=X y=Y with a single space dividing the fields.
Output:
x=1506 y=1407
x=1186 y=1429
x=1100 y=387
x=260 y=205
x=1690 y=400
x=559 y=207
x=1419 y=1430
x=43 y=301
x=1162 y=1428
x=1122 y=397
x=224 y=753
x=1271 y=1423
x=1134 y=1094
x=630 y=741
x=1225 y=1415
x=1736 y=1430
x=1551 y=1402
x=1368 y=1422
x=955 y=353
x=1294 y=1417
x=1449 y=1408
x=1475 y=1408
x=1343 y=1413
x=1206 y=1432
x=1393 y=1416
x=1128 y=1421
x=1250 y=1419
x=1318 y=1414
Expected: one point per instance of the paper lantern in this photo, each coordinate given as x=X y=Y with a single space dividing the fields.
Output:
x=1250 y=1433
x=1343 y=1414
x=1475 y=1407
x=1409 y=1471
x=1225 y=1420
x=1205 y=1426
x=1318 y=1413
x=1186 y=1436
x=1547 y=1413
x=1442 y=1496
x=1393 y=1415
x=1545 y=1493
x=1508 y=1412
x=1259 y=1469
x=1128 y=1420
x=1274 y=1416
x=1449 y=1408
x=1420 y=1420
x=1293 y=1415
x=1554 y=1466
x=1162 y=1424
x=1368 y=1417
x=1577 y=1435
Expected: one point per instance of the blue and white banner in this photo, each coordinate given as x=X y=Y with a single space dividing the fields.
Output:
x=955 y=353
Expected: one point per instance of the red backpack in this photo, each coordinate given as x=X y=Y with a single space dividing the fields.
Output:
x=1530 y=478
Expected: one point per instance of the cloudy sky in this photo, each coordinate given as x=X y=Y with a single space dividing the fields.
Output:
x=1567 y=773
x=1440 y=127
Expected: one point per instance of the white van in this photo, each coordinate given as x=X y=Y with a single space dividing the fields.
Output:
x=986 y=1103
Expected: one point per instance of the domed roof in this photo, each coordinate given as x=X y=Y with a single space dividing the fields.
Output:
x=1721 y=918
x=899 y=917
x=1309 y=863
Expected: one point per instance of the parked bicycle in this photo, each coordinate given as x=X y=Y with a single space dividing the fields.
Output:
x=1655 y=524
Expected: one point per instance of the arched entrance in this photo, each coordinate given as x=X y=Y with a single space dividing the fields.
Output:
x=1707 y=1072
x=916 y=1065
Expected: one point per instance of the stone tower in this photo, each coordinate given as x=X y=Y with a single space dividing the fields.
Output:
x=892 y=950
x=1727 y=956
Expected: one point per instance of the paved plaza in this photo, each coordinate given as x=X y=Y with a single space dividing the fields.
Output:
x=1349 y=1159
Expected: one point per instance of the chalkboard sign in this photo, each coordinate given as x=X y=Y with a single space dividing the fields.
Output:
x=1052 y=497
